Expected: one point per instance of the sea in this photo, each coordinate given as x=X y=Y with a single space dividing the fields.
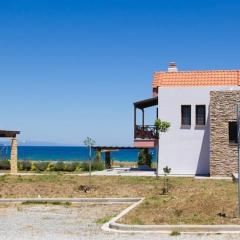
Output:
x=66 y=153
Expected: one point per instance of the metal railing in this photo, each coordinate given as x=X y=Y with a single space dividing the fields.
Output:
x=145 y=132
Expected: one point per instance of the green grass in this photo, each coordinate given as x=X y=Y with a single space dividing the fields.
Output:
x=105 y=219
x=175 y=233
x=66 y=204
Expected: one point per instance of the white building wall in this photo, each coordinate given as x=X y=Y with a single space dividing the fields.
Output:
x=185 y=151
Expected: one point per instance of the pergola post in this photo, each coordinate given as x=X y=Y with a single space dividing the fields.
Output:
x=13 y=160
x=143 y=118
x=107 y=159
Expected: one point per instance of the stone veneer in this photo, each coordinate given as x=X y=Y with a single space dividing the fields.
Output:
x=13 y=160
x=223 y=155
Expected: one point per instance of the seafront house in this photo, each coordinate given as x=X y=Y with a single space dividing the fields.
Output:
x=202 y=109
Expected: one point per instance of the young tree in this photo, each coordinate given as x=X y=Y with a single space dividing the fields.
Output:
x=161 y=127
x=166 y=171
x=89 y=142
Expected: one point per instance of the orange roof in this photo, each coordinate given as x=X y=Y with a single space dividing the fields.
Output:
x=197 y=78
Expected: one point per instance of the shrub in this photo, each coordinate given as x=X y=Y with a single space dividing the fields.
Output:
x=4 y=165
x=33 y=166
x=20 y=166
x=24 y=165
x=41 y=166
x=59 y=166
x=71 y=166
x=50 y=166
x=144 y=158
x=98 y=156
x=175 y=233
x=96 y=166
x=85 y=166
x=78 y=168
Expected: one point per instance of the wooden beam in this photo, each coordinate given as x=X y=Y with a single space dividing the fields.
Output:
x=8 y=134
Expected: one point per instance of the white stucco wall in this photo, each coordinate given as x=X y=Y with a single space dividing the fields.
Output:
x=185 y=151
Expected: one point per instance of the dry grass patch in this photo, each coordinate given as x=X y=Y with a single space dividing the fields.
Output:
x=190 y=201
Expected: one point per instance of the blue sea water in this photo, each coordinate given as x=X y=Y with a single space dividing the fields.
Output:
x=45 y=153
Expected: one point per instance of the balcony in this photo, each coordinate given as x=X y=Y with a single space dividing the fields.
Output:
x=145 y=132
x=145 y=135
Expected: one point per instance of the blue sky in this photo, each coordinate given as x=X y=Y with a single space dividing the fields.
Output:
x=72 y=69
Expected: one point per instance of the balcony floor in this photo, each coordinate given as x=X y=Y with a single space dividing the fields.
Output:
x=145 y=143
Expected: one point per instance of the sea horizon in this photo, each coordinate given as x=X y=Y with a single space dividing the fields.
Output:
x=68 y=153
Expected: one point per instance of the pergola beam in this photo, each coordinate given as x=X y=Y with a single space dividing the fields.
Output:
x=14 y=154
x=8 y=134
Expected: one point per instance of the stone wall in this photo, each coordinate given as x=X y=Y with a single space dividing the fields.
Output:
x=223 y=155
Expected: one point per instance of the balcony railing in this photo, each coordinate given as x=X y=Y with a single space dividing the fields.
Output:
x=145 y=132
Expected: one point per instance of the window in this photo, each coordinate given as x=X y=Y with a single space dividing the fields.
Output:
x=186 y=114
x=232 y=129
x=200 y=115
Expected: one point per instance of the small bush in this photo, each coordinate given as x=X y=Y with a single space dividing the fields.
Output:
x=96 y=166
x=50 y=166
x=24 y=165
x=98 y=156
x=70 y=166
x=99 y=166
x=41 y=166
x=104 y=219
x=59 y=166
x=144 y=158
x=4 y=165
x=85 y=166
x=175 y=233
x=33 y=166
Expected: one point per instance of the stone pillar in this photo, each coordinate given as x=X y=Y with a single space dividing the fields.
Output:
x=13 y=161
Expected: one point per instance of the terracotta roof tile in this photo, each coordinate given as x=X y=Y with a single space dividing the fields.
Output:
x=197 y=78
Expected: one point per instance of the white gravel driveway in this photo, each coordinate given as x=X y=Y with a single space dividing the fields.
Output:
x=35 y=222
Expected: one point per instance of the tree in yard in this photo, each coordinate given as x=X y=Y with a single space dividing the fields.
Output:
x=165 y=188
x=89 y=143
x=161 y=127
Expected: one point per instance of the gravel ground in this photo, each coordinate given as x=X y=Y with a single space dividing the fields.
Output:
x=37 y=222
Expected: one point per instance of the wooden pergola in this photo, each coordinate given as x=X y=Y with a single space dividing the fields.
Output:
x=107 y=150
x=14 y=155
